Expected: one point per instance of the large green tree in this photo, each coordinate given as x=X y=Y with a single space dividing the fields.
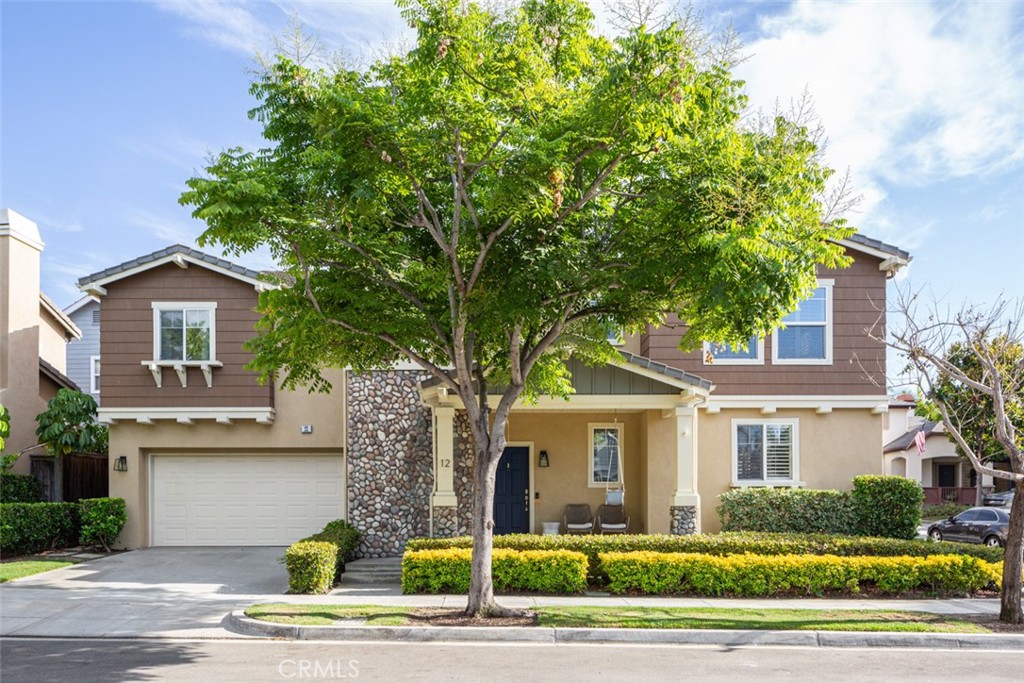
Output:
x=504 y=194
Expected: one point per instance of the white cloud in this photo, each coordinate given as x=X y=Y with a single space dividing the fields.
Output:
x=172 y=147
x=230 y=25
x=910 y=93
x=168 y=230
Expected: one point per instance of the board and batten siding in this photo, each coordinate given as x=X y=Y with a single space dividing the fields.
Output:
x=127 y=341
x=80 y=351
x=858 y=362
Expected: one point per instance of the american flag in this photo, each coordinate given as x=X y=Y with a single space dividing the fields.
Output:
x=919 y=441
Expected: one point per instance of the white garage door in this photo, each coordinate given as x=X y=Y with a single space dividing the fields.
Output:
x=243 y=500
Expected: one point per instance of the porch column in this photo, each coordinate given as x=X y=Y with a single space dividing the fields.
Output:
x=684 y=510
x=444 y=454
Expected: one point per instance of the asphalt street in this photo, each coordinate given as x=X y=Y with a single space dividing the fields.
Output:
x=32 y=660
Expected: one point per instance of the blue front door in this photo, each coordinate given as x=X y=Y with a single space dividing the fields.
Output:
x=512 y=492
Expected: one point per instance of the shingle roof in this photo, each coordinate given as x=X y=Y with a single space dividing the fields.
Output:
x=879 y=245
x=56 y=375
x=666 y=370
x=170 y=251
x=902 y=443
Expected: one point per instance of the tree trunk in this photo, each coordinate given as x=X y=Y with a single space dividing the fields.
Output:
x=481 y=585
x=979 y=492
x=1013 y=558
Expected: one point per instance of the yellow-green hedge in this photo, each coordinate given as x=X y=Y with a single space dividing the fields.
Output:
x=311 y=566
x=760 y=575
x=448 y=571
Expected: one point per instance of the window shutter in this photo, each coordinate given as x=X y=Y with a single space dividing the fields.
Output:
x=779 y=451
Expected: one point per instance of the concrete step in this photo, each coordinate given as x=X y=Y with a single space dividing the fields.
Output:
x=373 y=570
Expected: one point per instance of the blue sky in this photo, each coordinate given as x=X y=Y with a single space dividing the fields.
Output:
x=109 y=107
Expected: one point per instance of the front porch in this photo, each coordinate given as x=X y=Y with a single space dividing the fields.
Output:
x=648 y=415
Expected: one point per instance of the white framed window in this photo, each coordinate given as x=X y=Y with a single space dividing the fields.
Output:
x=765 y=452
x=726 y=354
x=94 y=374
x=605 y=454
x=184 y=332
x=807 y=337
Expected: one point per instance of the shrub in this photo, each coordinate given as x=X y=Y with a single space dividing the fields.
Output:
x=32 y=527
x=311 y=566
x=344 y=537
x=887 y=506
x=102 y=520
x=755 y=575
x=804 y=511
x=448 y=571
x=942 y=510
x=20 y=488
x=718 y=544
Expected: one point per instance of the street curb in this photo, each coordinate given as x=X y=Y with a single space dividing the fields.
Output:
x=237 y=622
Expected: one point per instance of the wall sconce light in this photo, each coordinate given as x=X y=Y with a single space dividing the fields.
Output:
x=121 y=463
x=544 y=462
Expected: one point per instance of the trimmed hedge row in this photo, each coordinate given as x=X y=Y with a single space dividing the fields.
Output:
x=308 y=565
x=882 y=506
x=311 y=566
x=771 y=510
x=31 y=527
x=758 y=575
x=20 y=488
x=719 y=544
x=448 y=571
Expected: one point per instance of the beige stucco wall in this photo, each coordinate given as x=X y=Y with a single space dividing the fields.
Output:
x=293 y=408
x=20 y=334
x=53 y=342
x=565 y=436
x=834 y=448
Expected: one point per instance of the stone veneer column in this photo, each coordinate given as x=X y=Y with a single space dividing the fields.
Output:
x=443 y=501
x=684 y=511
x=390 y=460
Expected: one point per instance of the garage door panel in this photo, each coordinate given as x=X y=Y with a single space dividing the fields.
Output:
x=243 y=500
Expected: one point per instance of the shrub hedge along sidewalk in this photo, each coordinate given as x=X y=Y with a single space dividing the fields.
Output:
x=316 y=563
x=540 y=571
x=32 y=527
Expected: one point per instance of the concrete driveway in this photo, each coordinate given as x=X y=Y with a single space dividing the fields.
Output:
x=156 y=592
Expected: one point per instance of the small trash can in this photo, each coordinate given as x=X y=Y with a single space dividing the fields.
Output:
x=551 y=528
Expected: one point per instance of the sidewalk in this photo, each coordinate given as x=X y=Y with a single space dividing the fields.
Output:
x=392 y=596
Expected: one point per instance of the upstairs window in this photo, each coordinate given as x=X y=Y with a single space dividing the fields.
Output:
x=94 y=375
x=726 y=354
x=807 y=338
x=184 y=332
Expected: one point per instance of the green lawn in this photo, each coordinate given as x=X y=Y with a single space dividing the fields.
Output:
x=20 y=568
x=644 y=617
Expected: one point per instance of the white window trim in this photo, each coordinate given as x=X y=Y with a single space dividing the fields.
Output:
x=93 y=360
x=590 y=453
x=827 y=360
x=158 y=306
x=757 y=360
x=794 y=481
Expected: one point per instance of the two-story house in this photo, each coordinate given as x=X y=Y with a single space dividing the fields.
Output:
x=33 y=334
x=203 y=454
x=83 y=354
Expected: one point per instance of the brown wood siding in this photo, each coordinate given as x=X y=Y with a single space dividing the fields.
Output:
x=127 y=340
x=858 y=363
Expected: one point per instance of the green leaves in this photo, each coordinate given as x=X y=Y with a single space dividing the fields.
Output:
x=5 y=426
x=68 y=425
x=513 y=186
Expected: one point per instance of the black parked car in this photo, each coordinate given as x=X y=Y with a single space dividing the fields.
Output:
x=977 y=525
x=1003 y=499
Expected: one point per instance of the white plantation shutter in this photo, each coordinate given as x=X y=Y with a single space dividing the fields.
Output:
x=778 y=451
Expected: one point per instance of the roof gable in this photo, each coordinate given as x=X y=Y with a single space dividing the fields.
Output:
x=179 y=255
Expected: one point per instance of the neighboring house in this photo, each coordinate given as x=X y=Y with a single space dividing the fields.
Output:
x=83 y=356
x=212 y=457
x=944 y=475
x=33 y=334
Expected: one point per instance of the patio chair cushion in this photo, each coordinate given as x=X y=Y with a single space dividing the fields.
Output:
x=613 y=526
x=579 y=526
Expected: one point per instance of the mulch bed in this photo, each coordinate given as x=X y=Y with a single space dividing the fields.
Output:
x=442 y=617
x=991 y=623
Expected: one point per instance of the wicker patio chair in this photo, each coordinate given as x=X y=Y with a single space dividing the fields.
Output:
x=612 y=519
x=578 y=519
